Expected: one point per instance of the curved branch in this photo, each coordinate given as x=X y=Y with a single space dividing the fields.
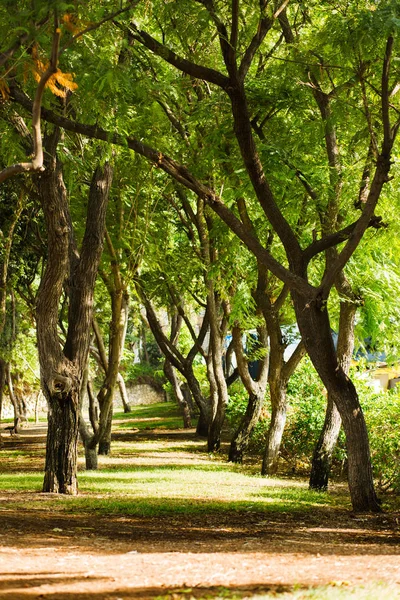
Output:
x=37 y=161
x=182 y=64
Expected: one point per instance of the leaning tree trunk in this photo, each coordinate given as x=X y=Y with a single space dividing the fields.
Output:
x=123 y=394
x=322 y=457
x=276 y=428
x=315 y=329
x=255 y=388
x=170 y=374
x=241 y=438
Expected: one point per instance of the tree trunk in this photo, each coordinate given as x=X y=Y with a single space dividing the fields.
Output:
x=276 y=428
x=316 y=333
x=241 y=439
x=124 y=394
x=218 y=394
x=62 y=442
x=11 y=393
x=322 y=457
x=118 y=326
x=105 y=439
x=62 y=369
x=177 y=388
x=2 y=384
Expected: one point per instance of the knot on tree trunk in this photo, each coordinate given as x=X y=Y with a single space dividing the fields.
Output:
x=60 y=385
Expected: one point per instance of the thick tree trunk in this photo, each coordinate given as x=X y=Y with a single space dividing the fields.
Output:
x=105 y=439
x=241 y=439
x=316 y=333
x=62 y=441
x=177 y=388
x=322 y=457
x=202 y=424
x=276 y=428
x=202 y=403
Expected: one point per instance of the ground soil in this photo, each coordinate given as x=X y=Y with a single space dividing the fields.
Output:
x=54 y=555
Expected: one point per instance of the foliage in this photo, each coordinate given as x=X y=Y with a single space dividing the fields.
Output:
x=382 y=414
x=306 y=413
x=238 y=399
x=144 y=373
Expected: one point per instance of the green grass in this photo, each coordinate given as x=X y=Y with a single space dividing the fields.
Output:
x=142 y=490
x=163 y=415
x=146 y=477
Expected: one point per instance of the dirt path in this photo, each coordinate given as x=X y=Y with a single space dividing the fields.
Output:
x=54 y=555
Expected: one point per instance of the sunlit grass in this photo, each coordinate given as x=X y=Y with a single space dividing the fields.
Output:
x=338 y=591
x=175 y=489
x=163 y=476
x=160 y=415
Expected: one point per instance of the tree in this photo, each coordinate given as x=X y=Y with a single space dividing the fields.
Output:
x=299 y=41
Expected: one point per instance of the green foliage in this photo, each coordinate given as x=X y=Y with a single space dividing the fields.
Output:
x=143 y=373
x=306 y=412
x=382 y=415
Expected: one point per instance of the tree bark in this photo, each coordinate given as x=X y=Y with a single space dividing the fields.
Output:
x=2 y=384
x=241 y=438
x=62 y=370
x=124 y=394
x=256 y=390
x=276 y=428
x=322 y=457
x=118 y=327
x=316 y=333
x=177 y=388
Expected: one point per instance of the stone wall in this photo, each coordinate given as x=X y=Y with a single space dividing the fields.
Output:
x=141 y=393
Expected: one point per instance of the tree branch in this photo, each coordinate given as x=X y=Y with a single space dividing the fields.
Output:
x=183 y=176
x=182 y=64
x=37 y=161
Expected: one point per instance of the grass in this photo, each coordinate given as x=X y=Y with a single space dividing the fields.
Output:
x=149 y=477
x=162 y=415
